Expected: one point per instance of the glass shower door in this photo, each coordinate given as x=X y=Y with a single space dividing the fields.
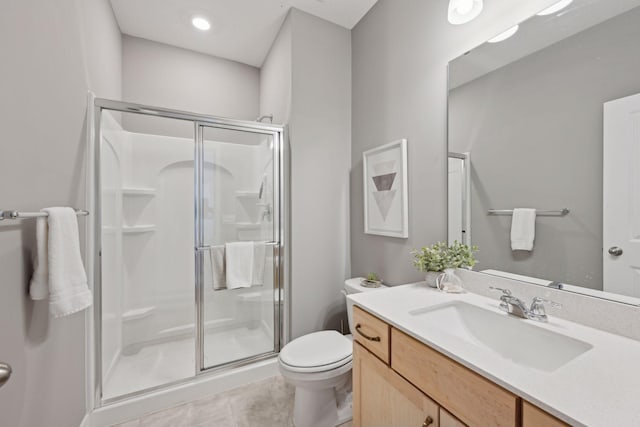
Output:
x=238 y=243
x=167 y=182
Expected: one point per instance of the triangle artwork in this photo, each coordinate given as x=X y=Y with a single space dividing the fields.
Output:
x=383 y=181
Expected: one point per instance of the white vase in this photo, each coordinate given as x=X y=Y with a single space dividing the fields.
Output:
x=449 y=282
x=431 y=277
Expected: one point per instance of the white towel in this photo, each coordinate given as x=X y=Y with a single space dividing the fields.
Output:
x=245 y=264
x=523 y=229
x=59 y=272
x=216 y=258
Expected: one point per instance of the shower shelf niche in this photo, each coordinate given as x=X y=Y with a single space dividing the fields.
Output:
x=248 y=225
x=138 y=192
x=247 y=194
x=137 y=313
x=130 y=191
x=138 y=229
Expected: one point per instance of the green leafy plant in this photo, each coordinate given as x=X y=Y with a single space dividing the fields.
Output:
x=441 y=256
x=372 y=277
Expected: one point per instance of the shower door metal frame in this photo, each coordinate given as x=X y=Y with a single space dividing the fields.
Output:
x=281 y=248
x=277 y=135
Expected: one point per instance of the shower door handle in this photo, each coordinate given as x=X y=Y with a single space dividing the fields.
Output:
x=5 y=373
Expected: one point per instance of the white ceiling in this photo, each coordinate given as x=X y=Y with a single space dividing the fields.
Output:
x=241 y=30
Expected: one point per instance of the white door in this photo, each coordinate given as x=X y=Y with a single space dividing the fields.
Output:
x=455 y=200
x=621 y=198
x=459 y=217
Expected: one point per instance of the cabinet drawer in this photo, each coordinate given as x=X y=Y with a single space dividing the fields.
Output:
x=533 y=416
x=372 y=333
x=469 y=397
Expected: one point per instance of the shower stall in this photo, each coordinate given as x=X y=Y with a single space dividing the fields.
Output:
x=188 y=243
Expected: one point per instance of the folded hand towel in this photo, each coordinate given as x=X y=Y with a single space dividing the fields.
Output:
x=244 y=264
x=523 y=229
x=59 y=266
x=216 y=258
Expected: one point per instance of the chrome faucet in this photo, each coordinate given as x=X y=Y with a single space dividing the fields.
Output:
x=516 y=307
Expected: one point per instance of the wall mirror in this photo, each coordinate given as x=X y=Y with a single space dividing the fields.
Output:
x=547 y=116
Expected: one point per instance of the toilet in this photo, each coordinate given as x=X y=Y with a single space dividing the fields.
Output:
x=319 y=366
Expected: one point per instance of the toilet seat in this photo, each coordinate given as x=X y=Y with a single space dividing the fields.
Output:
x=317 y=352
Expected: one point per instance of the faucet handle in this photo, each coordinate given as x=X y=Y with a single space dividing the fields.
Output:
x=538 y=301
x=537 y=310
x=504 y=291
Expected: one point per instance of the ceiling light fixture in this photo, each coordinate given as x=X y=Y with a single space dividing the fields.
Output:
x=463 y=11
x=555 y=8
x=503 y=36
x=200 y=23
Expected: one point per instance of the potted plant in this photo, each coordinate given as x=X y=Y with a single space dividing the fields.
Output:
x=372 y=281
x=435 y=259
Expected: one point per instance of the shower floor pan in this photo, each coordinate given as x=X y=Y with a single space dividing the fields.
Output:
x=170 y=361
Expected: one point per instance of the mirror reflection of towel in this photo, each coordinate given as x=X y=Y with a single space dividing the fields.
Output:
x=523 y=229
x=244 y=264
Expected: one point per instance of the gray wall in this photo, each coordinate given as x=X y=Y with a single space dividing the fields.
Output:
x=157 y=74
x=275 y=76
x=400 y=55
x=314 y=98
x=47 y=63
x=320 y=156
x=534 y=130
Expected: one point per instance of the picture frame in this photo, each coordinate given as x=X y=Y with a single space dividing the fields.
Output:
x=386 y=199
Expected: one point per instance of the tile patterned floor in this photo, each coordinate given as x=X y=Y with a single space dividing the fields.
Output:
x=267 y=403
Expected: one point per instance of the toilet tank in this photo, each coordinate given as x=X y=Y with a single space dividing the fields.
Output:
x=354 y=286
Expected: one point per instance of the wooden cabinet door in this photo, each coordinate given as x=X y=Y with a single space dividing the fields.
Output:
x=382 y=398
x=448 y=420
x=532 y=416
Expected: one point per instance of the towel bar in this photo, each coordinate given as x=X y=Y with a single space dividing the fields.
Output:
x=208 y=248
x=24 y=215
x=561 y=212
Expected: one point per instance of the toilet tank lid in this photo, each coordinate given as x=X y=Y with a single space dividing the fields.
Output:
x=316 y=349
x=354 y=286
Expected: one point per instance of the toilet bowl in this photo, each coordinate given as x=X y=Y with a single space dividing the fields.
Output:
x=319 y=366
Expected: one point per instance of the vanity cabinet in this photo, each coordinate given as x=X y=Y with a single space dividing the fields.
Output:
x=401 y=382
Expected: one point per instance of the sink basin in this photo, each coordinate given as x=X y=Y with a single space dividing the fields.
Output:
x=506 y=336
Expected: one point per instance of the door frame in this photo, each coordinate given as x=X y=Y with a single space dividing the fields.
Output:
x=200 y=247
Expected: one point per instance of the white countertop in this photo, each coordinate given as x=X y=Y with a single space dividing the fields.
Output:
x=598 y=388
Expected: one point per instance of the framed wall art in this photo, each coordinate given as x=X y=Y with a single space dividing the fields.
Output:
x=386 y=204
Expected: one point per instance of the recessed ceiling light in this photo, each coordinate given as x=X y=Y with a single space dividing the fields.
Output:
x=555 y=8
x=200 y=23
x=503 y=36
x=463 y=11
